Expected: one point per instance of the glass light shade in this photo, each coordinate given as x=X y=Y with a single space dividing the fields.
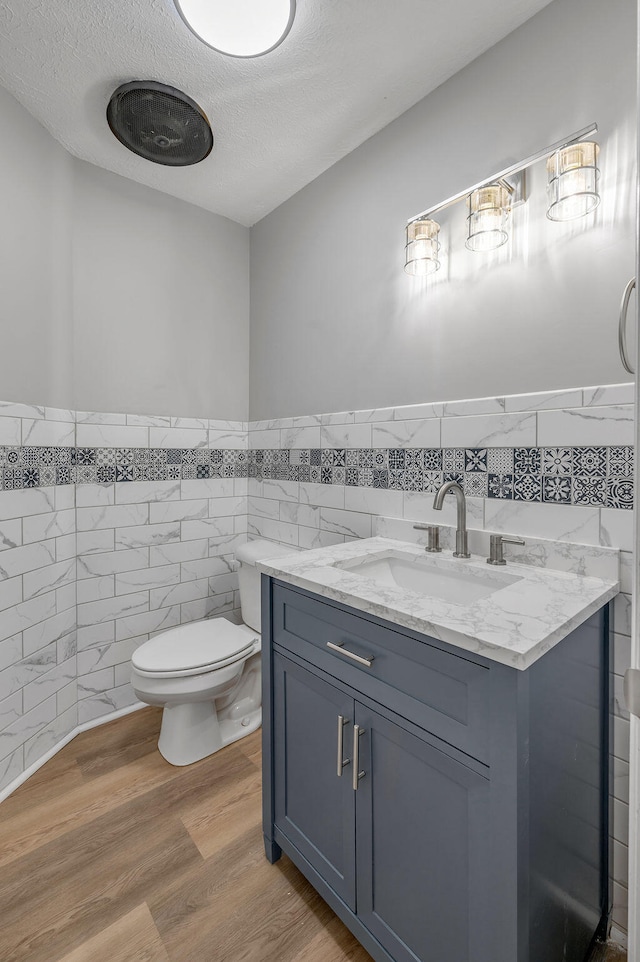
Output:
x=422 y=247
x=239 y=28
x=488 y=218
x=573 y=181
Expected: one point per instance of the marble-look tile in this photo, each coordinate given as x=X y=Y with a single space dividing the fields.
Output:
x=11 y=593
x=94 y=682
x=98 y=657
x=178 y=594
x=93 y=495
x=587 y=426
x=112 y=562
x=345 y=436
x=11 y=767
x=95 y=589
x=211 y=607
x=59 y=414
x=205 y=528
x=418 y=506
x=10 y=534
x=227 y=507
x=49 y=683
x=49 y=579
x=279 y=490
x=224 y=583
x=19 y=504
x=490 y=430
x=543 y=400
x=267 y=508
x=322 y=495
x=112 y=608
x=27 y=726
x=102 y=634
x=13 y=409
x=11 y=709
x=222 y=425
x=609 y=394
x=98 y=706
x=64 y=496
x=207 y=568
x=269 y=438
x=48 y=631
x=23 y=672
x=626 y=571
x=141 y=491
x=114 y=436
x=95 y=542
x=157 y=620
x=53 y=524
x=236 y=440
x=339 y=418
x=178 y=551
x=48 y=433
x=312 y=538
x=112 y=516
x=148 y=421
x=190 y=424
x=99 y=417
x=141 y=579
x=351 y=524
x=410 y=433
x=16 y=561
x=10 y=431
x=552 y=521
x=300 y=437
x=273 y=530
x=616 y=528
x=622 y=614
x=621 y=653
x=474 y=406
x=176 y=437
x=305 y=514
x=164 y=512
x=374 y=501
x=10 y=651
x=207 y=488
x=144 y=535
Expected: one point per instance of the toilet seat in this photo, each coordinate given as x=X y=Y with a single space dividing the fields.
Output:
x=195 y=649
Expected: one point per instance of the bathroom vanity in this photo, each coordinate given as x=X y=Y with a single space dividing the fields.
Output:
x=445 y=790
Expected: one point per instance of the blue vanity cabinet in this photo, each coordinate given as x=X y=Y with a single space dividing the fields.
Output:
x=477 y=828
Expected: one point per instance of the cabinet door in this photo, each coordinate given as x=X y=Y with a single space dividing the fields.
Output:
x=314 y=807
x=422 y=847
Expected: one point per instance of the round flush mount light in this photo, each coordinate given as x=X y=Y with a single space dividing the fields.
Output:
x=239 y=28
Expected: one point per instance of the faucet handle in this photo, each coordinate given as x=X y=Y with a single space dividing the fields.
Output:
x=496 y=553
x=433 y=532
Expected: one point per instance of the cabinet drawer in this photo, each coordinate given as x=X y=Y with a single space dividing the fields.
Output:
x=442 y=692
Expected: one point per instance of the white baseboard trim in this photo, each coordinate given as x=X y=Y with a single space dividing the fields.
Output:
x=85 y=727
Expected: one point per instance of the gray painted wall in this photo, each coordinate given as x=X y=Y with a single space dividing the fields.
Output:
x=115 y=297
x=335 y=322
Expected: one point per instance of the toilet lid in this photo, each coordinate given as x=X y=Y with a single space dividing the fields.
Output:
x=195 y=648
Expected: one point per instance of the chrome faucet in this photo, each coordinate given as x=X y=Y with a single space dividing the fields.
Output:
x=462 y=547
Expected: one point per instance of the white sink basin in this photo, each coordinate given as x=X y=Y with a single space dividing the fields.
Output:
x=448 y=580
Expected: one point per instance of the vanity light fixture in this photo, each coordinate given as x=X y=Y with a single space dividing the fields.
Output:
x=572 y=164
x=421 y=251
x=573 y=181
x=239 y=28
x=489 y=209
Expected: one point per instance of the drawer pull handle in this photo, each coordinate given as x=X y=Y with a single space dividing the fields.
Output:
x=357 y=775
x=350 y=654
x=342 y=762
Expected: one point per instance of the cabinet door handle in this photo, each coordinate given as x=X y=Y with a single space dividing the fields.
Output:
x=357 y=775
x=622 y=327
x=342 y=762
x=350 y=654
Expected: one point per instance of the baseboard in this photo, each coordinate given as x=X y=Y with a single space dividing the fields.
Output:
x=85 y=727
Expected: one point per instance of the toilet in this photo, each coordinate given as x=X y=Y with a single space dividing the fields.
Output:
x=206 y=674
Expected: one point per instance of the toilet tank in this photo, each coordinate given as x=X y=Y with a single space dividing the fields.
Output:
x=249 y=576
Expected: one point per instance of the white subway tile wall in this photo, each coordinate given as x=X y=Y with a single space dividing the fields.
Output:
x=90 y=570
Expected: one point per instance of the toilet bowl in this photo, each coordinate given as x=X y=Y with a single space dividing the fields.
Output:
x=206 y=674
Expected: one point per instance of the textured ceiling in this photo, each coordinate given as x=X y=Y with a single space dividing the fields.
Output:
x=347 y=69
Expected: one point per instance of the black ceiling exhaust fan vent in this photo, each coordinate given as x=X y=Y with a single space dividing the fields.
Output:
x=160 y=123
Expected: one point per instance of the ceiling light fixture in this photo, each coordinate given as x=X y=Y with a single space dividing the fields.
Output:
x=422 y=247
x=239 y=28
x=489 y=209
x=573 y=181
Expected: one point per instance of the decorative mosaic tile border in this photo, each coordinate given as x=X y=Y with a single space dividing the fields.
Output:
x=595 y=475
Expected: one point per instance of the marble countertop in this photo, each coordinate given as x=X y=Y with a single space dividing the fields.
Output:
x=515 y=625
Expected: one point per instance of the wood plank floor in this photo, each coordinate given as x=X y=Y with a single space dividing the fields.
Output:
x=109 y=854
